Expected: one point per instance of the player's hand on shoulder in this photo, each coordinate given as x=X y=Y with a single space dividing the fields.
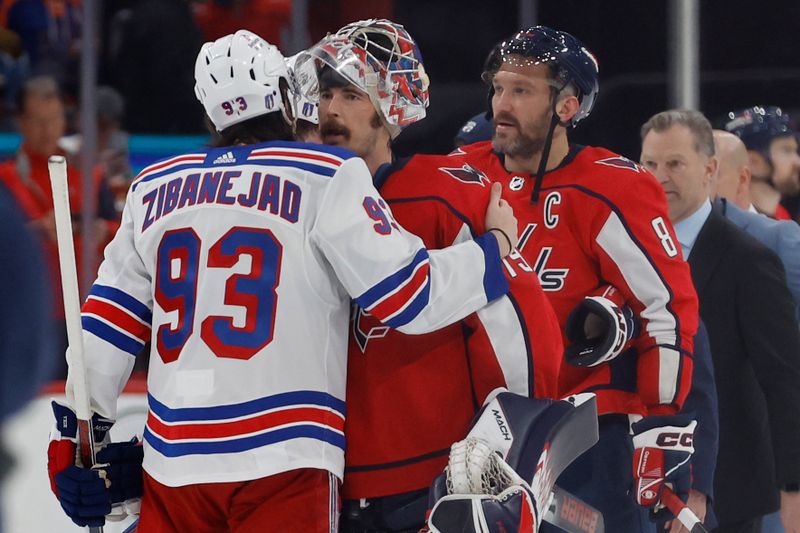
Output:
x=501 y=221
x=88 y=494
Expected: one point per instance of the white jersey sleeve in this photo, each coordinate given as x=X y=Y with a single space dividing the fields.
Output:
x=388 y=271
x=116 y=319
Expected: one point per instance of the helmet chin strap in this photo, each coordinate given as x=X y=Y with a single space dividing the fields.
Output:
x=548 y=142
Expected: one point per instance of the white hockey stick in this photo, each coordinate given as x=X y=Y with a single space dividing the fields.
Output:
x=57 y=166
x=682 y=512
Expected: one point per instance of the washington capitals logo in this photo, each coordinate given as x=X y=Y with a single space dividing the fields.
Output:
x=619 y=162
x=366 y=327
x=467 y=174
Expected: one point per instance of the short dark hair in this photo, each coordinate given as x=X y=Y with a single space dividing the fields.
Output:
x=693 y=120
x=303 y=128
x=268 y=127
x=44 y=87
x=330 y=79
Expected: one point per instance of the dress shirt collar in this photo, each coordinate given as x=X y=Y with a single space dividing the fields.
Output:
x=688 y=228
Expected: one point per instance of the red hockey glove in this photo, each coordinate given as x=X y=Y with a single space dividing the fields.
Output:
x=599 y=328
x=87 y=494
x=663 y=448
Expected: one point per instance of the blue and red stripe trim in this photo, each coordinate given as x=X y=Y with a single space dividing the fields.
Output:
x=244 y=426
x=117 y=318
x=399 y=298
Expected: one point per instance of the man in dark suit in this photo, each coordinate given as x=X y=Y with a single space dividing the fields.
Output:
x=749 y=313
x=732 y=191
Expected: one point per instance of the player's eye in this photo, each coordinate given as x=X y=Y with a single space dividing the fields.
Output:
x=325 y=95
x=520 y=90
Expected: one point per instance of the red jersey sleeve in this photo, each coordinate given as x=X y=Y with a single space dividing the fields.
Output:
x=637 y=251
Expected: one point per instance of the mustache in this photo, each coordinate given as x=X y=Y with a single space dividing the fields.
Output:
x=505 y=117
x=331 y=127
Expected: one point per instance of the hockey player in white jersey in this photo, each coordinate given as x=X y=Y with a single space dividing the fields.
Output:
x=238 y=264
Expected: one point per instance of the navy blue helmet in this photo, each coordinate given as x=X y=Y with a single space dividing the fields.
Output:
x=571 y=61
x=757 y=126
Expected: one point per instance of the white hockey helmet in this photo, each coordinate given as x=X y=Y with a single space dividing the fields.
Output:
x=303 y=75
x=237 y=77
x=379 y=57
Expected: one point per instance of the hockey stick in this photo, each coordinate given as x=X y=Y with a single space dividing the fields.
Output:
x=57 y=166
x=572 y=514
x=682 y=511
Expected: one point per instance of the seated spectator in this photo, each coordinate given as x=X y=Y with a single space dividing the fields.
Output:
x=113 y=158
x=265 y=18
x=773 y=159
x=41 y=123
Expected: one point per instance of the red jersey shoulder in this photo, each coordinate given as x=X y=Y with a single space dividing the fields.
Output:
x=612 y=175
x=446 y=178
x=479 y=153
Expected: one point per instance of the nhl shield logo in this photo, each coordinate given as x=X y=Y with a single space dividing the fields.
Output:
x=467 y=174
x=517 y=182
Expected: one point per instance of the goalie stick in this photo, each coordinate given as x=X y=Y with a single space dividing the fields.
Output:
x=57 y=165
x=572 y=514
x=682 y=512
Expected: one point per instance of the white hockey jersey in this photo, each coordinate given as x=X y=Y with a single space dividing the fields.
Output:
x=239 y=264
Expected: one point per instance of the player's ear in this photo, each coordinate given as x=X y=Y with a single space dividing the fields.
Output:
x=568 y=105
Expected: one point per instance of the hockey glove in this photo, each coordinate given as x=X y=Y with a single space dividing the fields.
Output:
x=87 y=494
x=478 y=491
x=599 y=328
x=663 y=448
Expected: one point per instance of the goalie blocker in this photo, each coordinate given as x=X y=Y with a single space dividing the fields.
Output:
x=501 y=477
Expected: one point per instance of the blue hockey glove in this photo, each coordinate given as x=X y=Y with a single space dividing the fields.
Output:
x=599 y=328
x=85 y=494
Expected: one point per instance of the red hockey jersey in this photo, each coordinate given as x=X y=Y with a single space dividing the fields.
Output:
x=410 y=397
x=602 y=219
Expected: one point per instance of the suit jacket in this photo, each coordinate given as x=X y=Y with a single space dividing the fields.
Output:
x=755 y=345
x=780 y=236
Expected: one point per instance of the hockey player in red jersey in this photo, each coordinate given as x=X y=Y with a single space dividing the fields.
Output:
x=237 y=264
x=589 y=217
x=411 y=397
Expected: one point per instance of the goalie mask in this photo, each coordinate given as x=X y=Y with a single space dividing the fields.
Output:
x=302 y=75
x=241 y=76
x=380 y=58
